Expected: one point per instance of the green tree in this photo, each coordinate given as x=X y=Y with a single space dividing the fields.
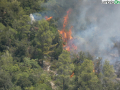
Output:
x=80 y=57
x=64 y=70
x=108 y=70
x=22 y=26
x=20 y=50
x=24 y=82
x=7 y=64
x=42 y=42
x=10 y=10
x=59 y=47
x=108 y=76
x=85 y=77
x=5 y=80
x=31 y=6
x=6 y=37
x=43 y=87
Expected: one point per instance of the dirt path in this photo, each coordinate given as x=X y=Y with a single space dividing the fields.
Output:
x=47 y=68
x=53 y=85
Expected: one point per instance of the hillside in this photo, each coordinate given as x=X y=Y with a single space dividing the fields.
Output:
x=59 y=45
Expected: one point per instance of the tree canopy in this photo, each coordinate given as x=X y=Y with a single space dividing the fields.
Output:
x=32 y=56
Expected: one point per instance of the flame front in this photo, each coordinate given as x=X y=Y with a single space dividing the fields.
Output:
x=67 y=35
x=66 y=19
x=72 y=74
x=48 y=19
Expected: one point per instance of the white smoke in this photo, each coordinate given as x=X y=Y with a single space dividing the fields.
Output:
x=97 y=24
x=32 y=18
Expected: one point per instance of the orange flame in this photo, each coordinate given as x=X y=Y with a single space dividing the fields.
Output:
x=68 y=48
x=72 y=74
x=48 y=19
x=75 y=47
x=66 y=19
x=67 y=35
x=70 y=33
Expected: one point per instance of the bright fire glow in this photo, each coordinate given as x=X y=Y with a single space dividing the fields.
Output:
x=72 y=74
x=67 y=35
x=48 y=19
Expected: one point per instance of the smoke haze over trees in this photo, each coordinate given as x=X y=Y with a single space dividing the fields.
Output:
x=33 y=55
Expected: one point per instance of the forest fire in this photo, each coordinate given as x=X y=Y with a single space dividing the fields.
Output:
x=67 y=35
x=72 y=74
x=48 y=18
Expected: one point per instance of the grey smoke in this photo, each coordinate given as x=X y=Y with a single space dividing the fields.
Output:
x=96 y=26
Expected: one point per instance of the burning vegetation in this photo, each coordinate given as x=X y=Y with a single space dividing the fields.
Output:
x=67 y=34
x=48 y=18
x=72 y=74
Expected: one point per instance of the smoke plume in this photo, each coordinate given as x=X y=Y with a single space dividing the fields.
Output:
x=95 y=25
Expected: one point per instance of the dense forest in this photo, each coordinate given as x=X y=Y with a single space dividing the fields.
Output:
x=32 y=56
